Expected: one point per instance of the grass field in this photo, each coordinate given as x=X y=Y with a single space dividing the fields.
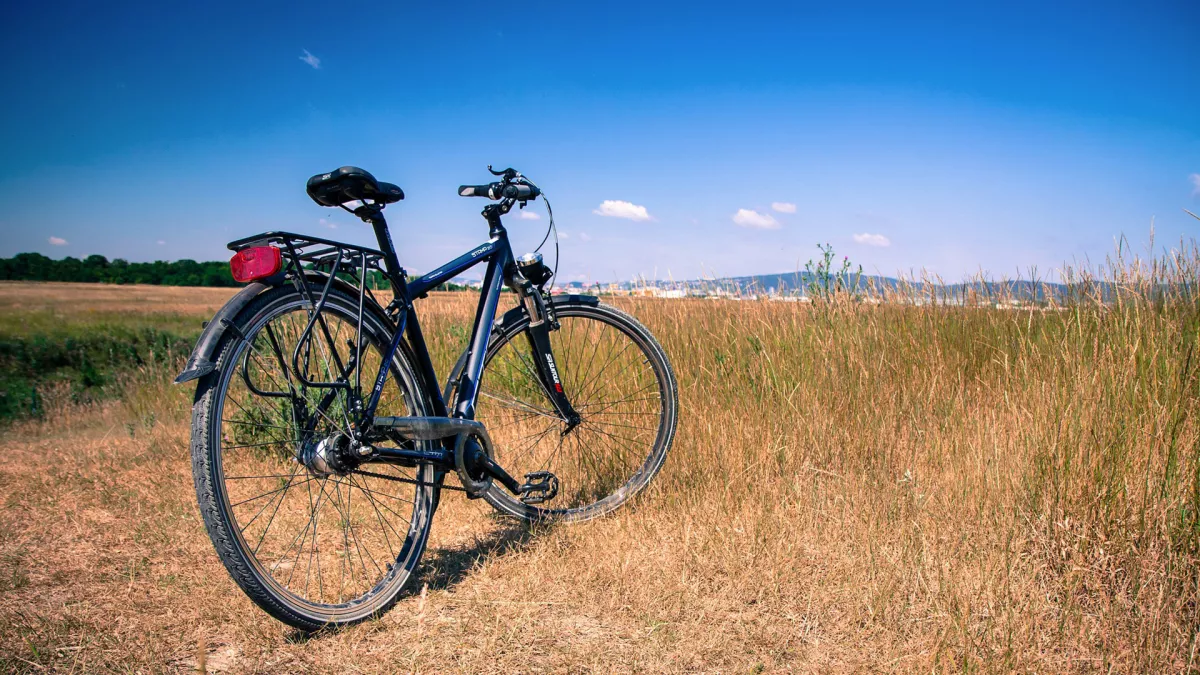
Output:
x=854 y=487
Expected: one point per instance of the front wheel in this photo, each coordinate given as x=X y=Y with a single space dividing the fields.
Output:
x=617 y=378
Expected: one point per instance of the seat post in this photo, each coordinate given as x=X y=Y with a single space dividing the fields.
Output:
x=384 y=237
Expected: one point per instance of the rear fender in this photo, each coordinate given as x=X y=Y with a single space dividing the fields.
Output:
x=202 y=361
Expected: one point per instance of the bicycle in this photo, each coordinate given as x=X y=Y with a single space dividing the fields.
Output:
x=575 y=395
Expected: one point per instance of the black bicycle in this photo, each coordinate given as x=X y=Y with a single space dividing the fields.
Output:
x=318 y=487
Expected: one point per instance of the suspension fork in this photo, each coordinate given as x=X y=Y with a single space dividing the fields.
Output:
x=541 y=323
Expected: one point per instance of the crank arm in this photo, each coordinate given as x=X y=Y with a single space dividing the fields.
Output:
x=539 y=486
x=475 y=462
x=496 y=471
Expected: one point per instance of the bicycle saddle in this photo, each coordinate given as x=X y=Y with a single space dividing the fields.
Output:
x=349 y=184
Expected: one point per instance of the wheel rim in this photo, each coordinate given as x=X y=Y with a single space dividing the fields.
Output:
x=335 y=544
x=620 y=392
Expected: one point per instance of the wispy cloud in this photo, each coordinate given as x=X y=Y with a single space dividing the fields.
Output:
x=614 y=208
x=528 y=215
x=756 y=220
x=1195 y=178
x=868 y=239
x=584 y=236
x=311 y=60
x=58 y=241
x=329 y=223
x=783 y=207
x=161 y=242
x=563 y=235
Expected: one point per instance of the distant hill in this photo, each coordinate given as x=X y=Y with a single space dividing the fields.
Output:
x=792 y=282
x=799 y=283
x=98 y=269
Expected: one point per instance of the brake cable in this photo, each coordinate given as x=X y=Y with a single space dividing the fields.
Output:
x=550 y=228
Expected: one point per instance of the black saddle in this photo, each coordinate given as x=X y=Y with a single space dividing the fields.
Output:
x=350 y=184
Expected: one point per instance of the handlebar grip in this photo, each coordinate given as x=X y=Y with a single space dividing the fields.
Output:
x=521 y=192
x=491 y=191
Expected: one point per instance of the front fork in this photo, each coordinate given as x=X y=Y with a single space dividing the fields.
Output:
x=541 y=322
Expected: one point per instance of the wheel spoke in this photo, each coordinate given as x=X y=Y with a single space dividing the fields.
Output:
x=344 y=533
x=606 y=370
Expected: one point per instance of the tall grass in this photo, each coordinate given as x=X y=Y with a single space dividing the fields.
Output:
x=905 y=485
x=1024 y=482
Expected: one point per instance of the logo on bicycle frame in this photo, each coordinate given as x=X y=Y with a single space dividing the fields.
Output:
x=554 y=372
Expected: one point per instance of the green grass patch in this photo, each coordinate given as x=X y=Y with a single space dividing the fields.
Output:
x=87 y=361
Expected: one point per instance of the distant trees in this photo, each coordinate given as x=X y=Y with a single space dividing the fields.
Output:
x=98 y=269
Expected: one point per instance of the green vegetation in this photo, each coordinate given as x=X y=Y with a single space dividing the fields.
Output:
x=823 y=281
x=77 y=363
x=98 y=269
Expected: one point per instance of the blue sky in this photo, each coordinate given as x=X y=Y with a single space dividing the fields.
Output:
x=952 y=137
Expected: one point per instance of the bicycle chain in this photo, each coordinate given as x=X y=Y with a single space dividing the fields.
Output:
x=397 y=479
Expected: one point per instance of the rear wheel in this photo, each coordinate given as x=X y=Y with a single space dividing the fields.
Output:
x=309 y=539
x=617 y=378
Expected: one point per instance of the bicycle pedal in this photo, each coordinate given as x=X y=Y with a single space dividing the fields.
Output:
x=539 y=487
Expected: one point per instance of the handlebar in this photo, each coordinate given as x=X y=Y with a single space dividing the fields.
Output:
x=491 y=191
x=506 y=189
x=521 y=191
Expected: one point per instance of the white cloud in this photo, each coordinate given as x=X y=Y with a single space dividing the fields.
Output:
x=869 y=239
x=1195 y=178
x=584 y=236
x=58 y=241
x=563 y=235
x=783 y=207
x=754 y=219
x=614 y=208
x=329 y=223
x=161 y=242
x=526 y=214
x=311 y=60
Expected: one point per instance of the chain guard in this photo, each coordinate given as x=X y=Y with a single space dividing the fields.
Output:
x=474 y=487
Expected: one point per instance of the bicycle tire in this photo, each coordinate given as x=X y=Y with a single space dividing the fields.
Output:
x=209 y=458
x=569 y=311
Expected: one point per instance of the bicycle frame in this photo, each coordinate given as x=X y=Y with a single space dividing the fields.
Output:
x=497 y=253
x=340 y=257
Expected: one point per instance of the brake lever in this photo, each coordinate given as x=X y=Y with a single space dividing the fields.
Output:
x=509 y=173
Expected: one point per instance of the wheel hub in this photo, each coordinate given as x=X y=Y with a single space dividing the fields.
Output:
x=324 y=456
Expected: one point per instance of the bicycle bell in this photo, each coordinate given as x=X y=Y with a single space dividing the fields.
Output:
x=533 y=269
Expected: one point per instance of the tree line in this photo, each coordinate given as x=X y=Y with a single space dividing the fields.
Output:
x=98 y=269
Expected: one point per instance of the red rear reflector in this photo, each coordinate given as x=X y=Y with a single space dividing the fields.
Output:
x=254 y=263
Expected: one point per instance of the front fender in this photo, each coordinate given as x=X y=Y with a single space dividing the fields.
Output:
x=200 y=363
x=516 y=313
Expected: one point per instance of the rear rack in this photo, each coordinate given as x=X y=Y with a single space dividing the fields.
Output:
x=330 y=259
x=315 y=251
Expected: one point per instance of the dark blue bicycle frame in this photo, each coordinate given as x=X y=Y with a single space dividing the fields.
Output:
x=497 y=253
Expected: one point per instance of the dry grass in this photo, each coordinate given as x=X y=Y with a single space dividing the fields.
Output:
x=853 y=488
